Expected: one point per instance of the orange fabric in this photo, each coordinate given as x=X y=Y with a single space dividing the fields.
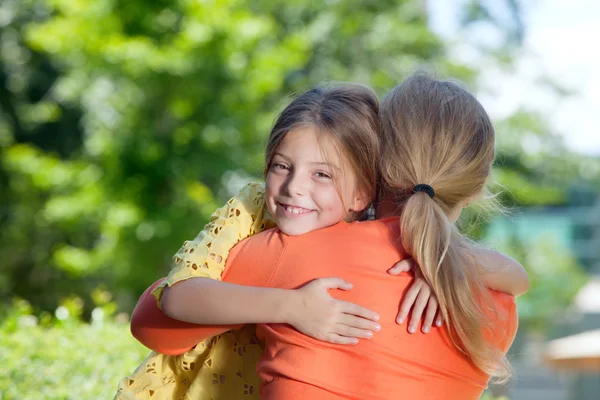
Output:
x=152 y=328
x=393 y=364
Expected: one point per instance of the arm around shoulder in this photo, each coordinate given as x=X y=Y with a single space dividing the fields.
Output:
x=243 y=297
x=209 y=302
x=155 y=330
x=502 y=273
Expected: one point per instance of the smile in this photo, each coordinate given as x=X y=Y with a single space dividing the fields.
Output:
x=294 y=210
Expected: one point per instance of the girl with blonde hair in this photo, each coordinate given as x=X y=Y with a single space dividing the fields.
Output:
x=324 y=145
x=437 y=151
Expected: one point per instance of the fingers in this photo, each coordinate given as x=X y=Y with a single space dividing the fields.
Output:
x=334 y=283
x=432 y=308
x=355 y=309
x=348 y=331
x=419 y=306
x=338 y=339
x=439 y=321
x=360 y=323
x=408 y=301
x=405 y=265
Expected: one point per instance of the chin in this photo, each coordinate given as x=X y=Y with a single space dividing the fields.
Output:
x=295 y=230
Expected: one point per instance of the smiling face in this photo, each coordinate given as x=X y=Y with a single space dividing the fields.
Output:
x=308 y=185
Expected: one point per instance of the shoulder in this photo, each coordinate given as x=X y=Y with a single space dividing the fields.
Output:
x=350 y=238
x=254 y=260
x=263 y=243
x=505 y=319
x=249 y=199
x=252 y=191
x=505 y=303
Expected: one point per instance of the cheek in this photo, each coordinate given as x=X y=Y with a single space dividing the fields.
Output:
x=350 y=192
x=331 y=201
x=272 y=186
x=273 y=183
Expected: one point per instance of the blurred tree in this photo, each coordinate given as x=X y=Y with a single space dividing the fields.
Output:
x=533 y=167
x=120 y=121
x=505 y=16
x=555 y=278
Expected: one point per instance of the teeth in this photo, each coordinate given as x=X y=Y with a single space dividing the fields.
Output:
x=294 y=210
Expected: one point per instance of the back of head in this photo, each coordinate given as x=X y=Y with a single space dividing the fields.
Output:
x=347 y=112
x=436 y=133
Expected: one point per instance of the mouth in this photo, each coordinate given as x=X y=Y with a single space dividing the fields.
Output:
x=294 y=210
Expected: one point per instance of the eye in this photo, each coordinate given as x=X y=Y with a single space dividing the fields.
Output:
x=323 y=175
x=279 y=167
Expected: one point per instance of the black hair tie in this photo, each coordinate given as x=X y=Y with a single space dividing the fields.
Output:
x=421 y=187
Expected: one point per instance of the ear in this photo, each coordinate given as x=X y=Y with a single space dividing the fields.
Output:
x=359 y=202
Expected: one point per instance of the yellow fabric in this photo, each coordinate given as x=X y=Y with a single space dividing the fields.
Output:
x=223 y=367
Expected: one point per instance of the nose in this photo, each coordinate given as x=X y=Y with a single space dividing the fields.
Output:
x=297 y=184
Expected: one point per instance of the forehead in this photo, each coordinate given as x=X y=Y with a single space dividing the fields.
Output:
x=309 y=142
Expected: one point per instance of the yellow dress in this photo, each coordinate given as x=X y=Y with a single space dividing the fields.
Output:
x=223 y=367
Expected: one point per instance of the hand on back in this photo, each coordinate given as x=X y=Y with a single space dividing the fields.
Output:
x=418 y=299
x=319 y=315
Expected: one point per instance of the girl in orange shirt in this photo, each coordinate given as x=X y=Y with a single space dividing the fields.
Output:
x=333 y=132
x=420 y=116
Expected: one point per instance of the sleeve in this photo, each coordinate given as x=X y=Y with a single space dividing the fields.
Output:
x=253 y=263
x=244 y=215
x=511 y=322
x=152 y=328
x=506 y=318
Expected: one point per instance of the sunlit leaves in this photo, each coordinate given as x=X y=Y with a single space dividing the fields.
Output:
x=124 y=124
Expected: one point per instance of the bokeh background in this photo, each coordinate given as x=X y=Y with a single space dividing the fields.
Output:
x=124 y=124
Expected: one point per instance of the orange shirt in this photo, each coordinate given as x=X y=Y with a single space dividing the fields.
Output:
x=393 y=364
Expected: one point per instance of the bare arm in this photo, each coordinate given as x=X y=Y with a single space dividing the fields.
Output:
x=244 y=297
x=502 y=273
x=310 y=309
x=222 y=303
x=151 y=327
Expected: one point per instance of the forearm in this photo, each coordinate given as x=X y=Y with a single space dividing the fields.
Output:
x=209 y=302
x=502 y=273
x=151 y=327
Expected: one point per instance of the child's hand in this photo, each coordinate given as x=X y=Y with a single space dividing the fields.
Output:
x=419 y=296
x=318 y=315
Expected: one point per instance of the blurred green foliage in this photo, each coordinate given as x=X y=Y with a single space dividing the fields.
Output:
x=535 y=166
x=555 y=278
x=63 y=358
x=121 y=121
x=123 y=125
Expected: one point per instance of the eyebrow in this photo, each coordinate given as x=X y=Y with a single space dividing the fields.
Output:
x=312 y=162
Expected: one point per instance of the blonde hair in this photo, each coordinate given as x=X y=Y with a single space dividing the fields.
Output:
x=436 y=133
x=349 y=113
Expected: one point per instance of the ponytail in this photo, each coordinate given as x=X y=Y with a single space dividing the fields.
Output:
x=449 y=266
x=439 y=149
